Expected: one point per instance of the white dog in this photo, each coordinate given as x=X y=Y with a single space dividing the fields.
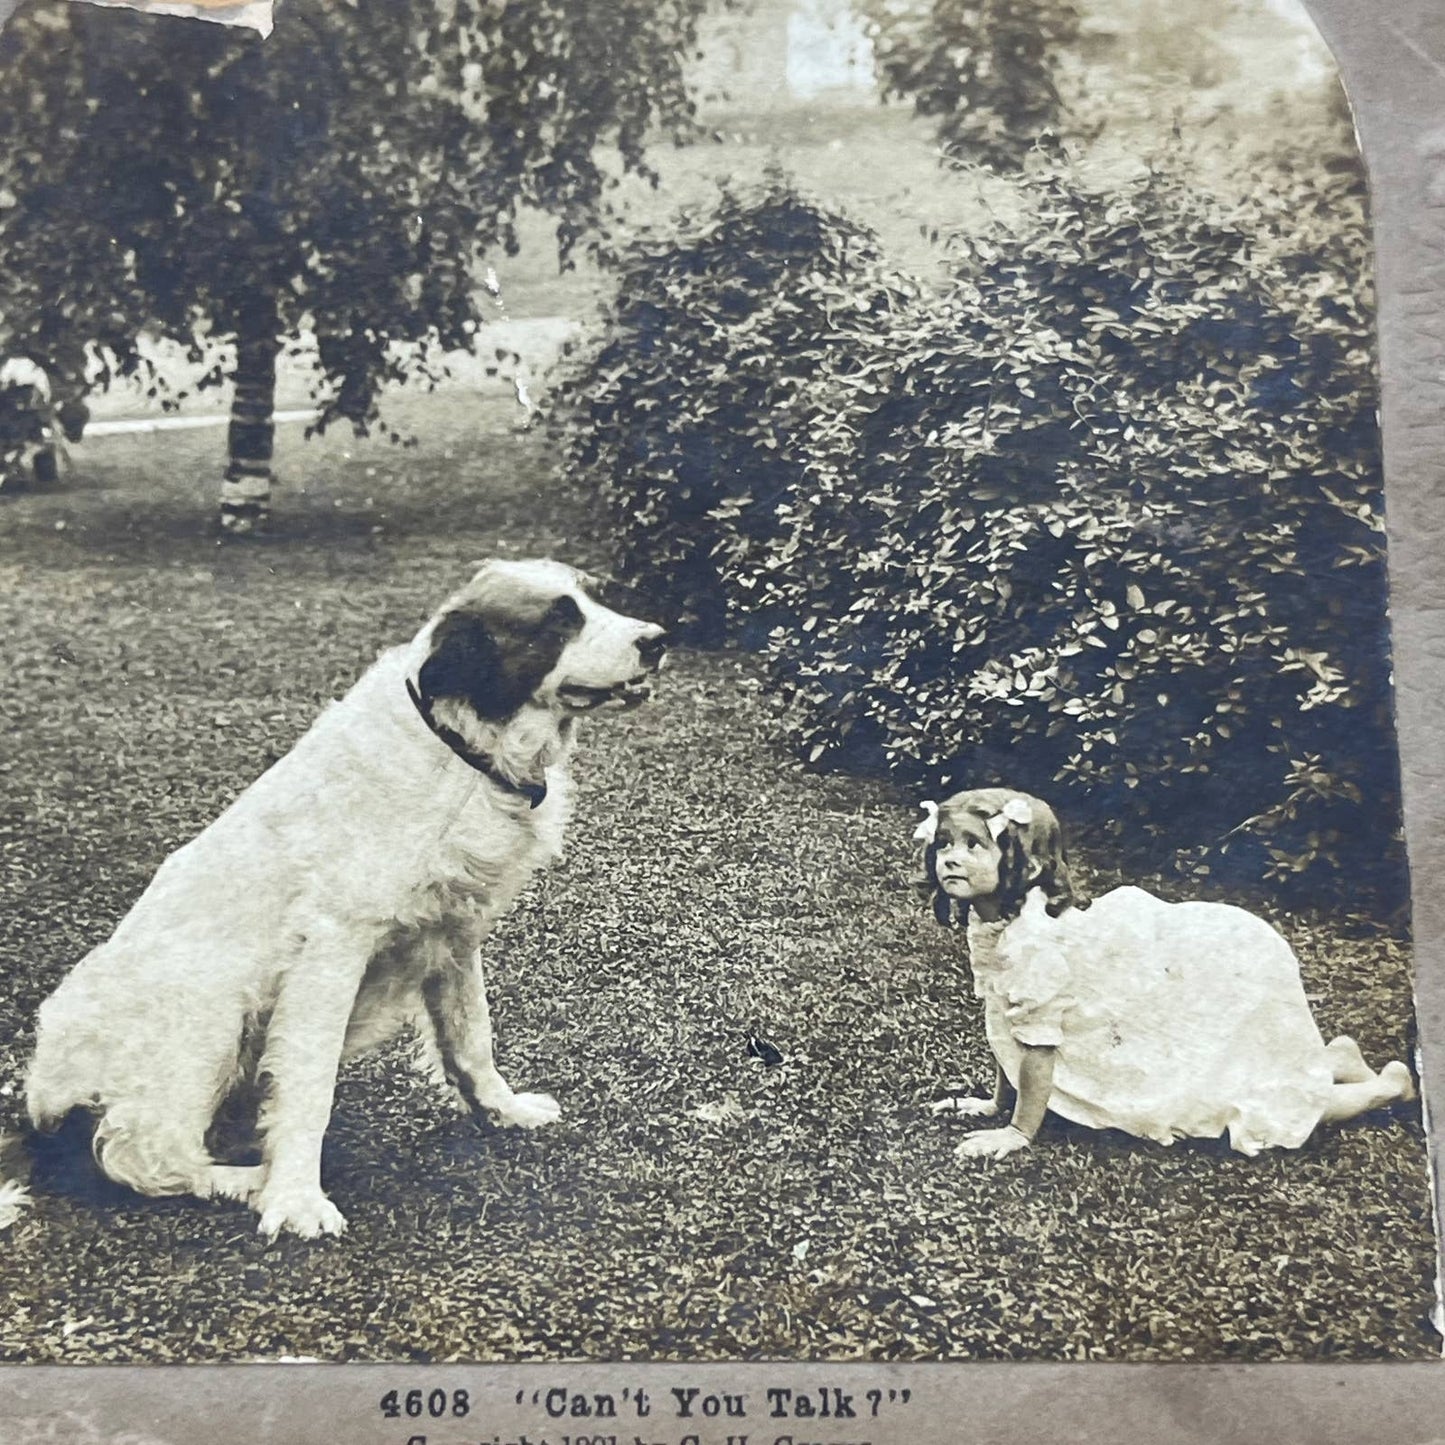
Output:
x=341 y=898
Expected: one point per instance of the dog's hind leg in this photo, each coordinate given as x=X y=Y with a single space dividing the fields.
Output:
x=228 y=1181
x=456 y=1004
x=154 y=1145
x=152 y=1078
x=153 y=1138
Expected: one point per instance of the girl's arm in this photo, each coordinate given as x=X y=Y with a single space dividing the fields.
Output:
x=1036 y=1084
x=1000 y=1089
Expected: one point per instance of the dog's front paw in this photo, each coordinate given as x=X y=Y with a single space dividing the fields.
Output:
x=307 y=1213
x=992 y=1144
x=527 y=1111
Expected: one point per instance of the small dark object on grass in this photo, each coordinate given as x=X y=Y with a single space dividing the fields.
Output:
x=760 y=1048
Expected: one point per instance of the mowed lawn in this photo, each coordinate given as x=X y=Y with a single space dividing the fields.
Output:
x=696 y=1201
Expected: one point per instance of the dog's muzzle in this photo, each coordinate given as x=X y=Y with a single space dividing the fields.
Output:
x=632 y=693
x=651 y=652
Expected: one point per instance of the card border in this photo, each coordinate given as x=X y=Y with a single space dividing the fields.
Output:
x=1391 y=55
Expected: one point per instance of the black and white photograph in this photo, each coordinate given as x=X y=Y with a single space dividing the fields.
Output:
x=698 y=680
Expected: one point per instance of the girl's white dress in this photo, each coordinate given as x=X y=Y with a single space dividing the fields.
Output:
x=1169 y=1018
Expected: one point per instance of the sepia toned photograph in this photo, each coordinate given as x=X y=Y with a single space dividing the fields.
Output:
x=698 y=682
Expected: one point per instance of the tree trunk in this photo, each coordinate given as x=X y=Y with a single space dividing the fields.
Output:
x=246 y=490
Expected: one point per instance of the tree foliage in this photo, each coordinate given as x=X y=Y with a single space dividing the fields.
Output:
x=1102 y=518
x=339 y=178
x=986 y=70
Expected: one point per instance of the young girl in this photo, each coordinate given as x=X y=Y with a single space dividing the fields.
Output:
x=1160 y=1019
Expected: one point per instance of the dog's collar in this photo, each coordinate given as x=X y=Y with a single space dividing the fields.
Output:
x=534 y=793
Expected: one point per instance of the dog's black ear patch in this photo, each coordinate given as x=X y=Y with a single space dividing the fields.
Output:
x=464 y=664
x=564 y=617
x=495 y=659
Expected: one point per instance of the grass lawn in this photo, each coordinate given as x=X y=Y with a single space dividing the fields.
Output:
x=694 y=1202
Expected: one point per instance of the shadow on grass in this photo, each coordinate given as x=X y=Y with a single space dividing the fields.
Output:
x=474 y=486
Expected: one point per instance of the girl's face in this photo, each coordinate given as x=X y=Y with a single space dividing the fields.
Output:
x=967 y=858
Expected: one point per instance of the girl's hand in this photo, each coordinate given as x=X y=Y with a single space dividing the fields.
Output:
x=975 y=1108
x=970 y=1108
x=992 y=1144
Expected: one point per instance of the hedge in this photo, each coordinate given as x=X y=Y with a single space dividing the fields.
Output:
x=1102 y=517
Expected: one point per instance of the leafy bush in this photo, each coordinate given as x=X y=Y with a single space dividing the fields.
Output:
x=685 y=411
x=1102 y=519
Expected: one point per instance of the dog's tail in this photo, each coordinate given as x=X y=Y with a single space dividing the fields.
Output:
x=15 y=1163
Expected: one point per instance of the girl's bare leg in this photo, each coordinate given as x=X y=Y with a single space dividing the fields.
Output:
x=1391 y=1085
x=1347 y=1062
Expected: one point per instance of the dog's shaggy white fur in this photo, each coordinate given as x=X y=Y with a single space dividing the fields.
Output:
x=342 y=898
